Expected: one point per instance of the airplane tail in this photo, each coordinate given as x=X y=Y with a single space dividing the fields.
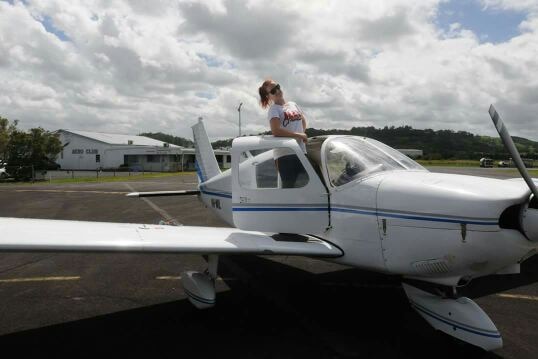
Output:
x=206 y=163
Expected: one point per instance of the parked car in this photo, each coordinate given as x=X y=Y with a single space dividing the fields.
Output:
x=3 y=173
x=503 y=164
x=486 y=162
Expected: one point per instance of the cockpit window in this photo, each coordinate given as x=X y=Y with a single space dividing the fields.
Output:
x=351 y=158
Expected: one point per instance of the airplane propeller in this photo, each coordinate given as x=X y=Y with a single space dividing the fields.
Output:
x=528 y=216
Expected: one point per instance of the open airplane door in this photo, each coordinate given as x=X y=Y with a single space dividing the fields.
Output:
x=265 y=198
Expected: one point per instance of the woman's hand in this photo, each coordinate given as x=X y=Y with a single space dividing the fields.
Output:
x=302 y=136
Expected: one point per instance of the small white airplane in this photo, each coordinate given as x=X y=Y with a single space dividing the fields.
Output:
x=352 y=200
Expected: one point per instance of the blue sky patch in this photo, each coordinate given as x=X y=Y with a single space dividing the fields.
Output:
x=206 y=94
x=211 y=61
x=489 y=25
x=49 y=26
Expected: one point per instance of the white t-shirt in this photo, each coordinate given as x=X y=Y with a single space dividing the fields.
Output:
x=290 y=116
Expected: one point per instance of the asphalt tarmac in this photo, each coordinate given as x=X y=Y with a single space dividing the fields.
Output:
x=267 y=307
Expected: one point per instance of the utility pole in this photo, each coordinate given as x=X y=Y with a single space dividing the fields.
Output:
x=239 y=110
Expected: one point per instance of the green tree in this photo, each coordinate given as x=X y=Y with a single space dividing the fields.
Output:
x=5 y=130
x=36 y=147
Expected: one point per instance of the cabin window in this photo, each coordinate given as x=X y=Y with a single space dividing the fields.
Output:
x=276 y=168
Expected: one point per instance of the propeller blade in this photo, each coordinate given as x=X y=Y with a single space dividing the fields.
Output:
x=511 y=147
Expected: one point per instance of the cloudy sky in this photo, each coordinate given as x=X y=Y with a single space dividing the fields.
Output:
x=137 y=66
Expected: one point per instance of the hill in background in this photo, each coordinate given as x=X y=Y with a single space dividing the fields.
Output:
x=436 y=145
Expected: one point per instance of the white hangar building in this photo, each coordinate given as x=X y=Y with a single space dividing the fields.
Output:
x=85 y=150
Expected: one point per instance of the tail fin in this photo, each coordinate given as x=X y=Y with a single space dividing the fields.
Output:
x=206 y=163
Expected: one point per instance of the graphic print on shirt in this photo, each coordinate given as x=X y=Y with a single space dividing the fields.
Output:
x=291 y=115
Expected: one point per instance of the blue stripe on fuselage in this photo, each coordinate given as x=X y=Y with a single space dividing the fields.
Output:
x=372 y=212
x=217 y=194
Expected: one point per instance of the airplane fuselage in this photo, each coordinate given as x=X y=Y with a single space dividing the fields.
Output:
x=441 y=228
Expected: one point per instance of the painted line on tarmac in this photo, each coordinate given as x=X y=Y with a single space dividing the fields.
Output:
x=167 y=277
x=38 y=279
x=61 y=191
x=518 y=296
x=156 y=208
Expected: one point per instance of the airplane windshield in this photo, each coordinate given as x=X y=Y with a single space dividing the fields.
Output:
x=397 y=155
x=351 y=158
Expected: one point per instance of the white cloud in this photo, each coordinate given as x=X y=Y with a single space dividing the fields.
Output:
x=142 y=66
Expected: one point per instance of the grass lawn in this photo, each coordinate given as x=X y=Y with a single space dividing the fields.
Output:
x=515 y=172
x=450 y=163
x=120 y=177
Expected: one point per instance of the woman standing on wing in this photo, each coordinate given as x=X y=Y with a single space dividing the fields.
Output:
x=286 y=120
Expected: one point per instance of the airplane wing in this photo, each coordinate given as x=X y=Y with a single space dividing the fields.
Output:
x=41 y=235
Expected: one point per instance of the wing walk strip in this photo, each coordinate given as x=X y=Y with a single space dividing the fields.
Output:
x=265 y=207
x=455 y=324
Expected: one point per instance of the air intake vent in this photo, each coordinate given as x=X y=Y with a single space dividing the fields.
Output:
x=433 y=266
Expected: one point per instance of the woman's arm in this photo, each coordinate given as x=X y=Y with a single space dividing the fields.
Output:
x=282 y=132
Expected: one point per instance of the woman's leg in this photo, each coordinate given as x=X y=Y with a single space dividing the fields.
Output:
x=289 y=168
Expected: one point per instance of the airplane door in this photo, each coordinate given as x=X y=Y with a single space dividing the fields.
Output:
x=275 y=188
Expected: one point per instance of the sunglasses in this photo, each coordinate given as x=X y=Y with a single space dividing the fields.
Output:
x=275 y=89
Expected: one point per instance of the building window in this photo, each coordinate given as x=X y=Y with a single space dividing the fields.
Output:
x=97 y=158
x=153 y=158
x=130 y=159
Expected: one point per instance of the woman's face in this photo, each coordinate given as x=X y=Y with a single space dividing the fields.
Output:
x=274 y=90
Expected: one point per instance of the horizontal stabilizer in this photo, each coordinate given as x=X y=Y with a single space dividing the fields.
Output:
x=42 y=235
x=164 y=193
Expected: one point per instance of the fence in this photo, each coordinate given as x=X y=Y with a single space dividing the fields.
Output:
x=21 y=173
x=29 y=173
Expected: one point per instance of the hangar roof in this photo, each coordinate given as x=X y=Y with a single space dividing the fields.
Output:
x=116 y=139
